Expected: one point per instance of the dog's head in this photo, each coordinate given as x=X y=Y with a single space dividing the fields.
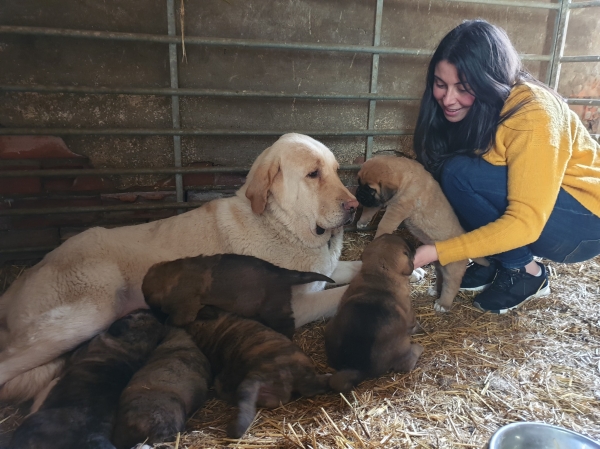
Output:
x=375 y=182
x=295 y=181
x=390 y=252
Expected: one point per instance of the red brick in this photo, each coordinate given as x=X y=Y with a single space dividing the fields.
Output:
x=34 y=147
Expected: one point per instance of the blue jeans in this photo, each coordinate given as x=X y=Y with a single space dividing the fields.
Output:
x=477 y=190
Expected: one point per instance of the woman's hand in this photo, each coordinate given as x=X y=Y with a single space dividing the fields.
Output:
x=425 y=254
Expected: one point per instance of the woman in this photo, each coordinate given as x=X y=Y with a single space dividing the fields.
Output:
x=519 y=168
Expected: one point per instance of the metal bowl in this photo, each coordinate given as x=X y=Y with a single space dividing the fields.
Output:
x=533 y=435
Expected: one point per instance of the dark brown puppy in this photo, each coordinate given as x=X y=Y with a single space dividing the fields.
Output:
x=370 y=333
x=80 y=410
x=162 y=395
x=254 y=365
x=244 y=285
x=414 y=197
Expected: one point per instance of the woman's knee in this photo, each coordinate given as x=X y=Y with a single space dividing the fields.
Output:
x=455 y=173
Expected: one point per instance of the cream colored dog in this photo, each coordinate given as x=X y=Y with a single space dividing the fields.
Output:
x=290 y=212
x=412 y=196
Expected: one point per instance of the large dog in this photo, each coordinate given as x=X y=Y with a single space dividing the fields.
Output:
x=412 y=196
x=370 y=333
x=290 y=212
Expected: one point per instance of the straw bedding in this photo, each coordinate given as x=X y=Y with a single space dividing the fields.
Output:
x=477 y=373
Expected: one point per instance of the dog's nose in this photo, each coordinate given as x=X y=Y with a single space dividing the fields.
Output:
x=350 y=205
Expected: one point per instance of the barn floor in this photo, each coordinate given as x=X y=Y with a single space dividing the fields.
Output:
x=477 y=373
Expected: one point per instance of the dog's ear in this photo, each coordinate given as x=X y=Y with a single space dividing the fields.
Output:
x=386 y=193
x=259 y=185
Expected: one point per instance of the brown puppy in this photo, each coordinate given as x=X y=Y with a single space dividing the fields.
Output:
x=162 y=395
x=245 y=285
x=412 y=196
x=79 y=412
x=370 y=333
x=254 y=365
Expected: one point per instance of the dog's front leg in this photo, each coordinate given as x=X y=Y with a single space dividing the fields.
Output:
x=393 y=217
x=366 y=216
x=345 y=271
x=309 y=307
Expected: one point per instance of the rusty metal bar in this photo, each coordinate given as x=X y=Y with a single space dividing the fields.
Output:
x=536 y=5
x=189 y=132
x=589 y=58
x=374 y=76
x=584 y=101
x=82 y=90
x=584 y=4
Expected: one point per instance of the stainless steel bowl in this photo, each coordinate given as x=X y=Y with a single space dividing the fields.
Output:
x=533 y=435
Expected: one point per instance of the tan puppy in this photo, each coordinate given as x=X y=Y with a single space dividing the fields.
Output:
x=244 y=285
x=290 y=212
x=412 y=196
x=80 y=410
x=254 y=365
x=164 y=393
x=370 y=333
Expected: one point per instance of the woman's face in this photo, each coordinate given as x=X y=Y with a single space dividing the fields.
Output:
x=451 y=94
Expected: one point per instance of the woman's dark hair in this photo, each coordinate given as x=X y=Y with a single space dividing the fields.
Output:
x=487 y=62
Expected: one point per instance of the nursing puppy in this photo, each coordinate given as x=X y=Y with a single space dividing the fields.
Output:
x=290 y=212
x=79 y=411
x=370 y=333
x=412 y=196
x=254 y=365
x=162 y=395
x=244 y=285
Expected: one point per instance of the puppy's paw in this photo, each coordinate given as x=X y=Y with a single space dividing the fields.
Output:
x=360 y=225
x=441 y=308
x=432 y=291
x=417 y=275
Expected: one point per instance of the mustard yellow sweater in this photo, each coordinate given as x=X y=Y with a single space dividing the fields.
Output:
x=545 y=147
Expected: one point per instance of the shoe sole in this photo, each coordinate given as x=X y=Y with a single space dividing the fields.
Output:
x=539 y=294
x=475 y=289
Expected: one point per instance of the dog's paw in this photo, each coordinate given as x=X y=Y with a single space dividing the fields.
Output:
x=440 y=308
x=432 y=291
x=417 y=275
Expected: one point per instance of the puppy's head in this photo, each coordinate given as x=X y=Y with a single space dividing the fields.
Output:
x=390 y=252
x=375 y=183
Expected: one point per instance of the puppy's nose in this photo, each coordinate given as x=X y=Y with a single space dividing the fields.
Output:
x=350 y=205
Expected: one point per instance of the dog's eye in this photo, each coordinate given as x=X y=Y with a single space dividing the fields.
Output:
x=313 y=174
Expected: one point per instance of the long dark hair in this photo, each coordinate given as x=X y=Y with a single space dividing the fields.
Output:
x=486 y=60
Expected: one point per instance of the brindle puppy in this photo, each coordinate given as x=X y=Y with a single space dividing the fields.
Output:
x=412 y=196
x=80 y=410
x=168 y=389
x=370 y=333
x=254 y=365
x=245 y=285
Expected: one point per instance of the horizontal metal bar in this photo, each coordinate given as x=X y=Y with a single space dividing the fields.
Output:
x=584 y=4
x=209 y=41
x=132 y=171
x=197 y=93
x=223 y=42
x=86 y=209
x=590 y=58
x=537 y=5
x=584 y=101
x=190 y=132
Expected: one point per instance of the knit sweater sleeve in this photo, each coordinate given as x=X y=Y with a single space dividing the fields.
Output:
x=535 y=146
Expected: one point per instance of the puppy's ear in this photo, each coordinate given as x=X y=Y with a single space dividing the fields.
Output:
x=410 y=265
x=259 y=185
x=386 y=193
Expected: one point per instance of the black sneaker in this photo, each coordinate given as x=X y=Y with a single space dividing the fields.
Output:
x=511 y=288
x=477 y=277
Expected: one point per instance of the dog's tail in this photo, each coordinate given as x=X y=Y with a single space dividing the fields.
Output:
x=344 y=380
x=304 y=277
x=247 y=394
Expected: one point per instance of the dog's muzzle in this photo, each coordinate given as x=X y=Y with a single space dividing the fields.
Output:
x=366 y=196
